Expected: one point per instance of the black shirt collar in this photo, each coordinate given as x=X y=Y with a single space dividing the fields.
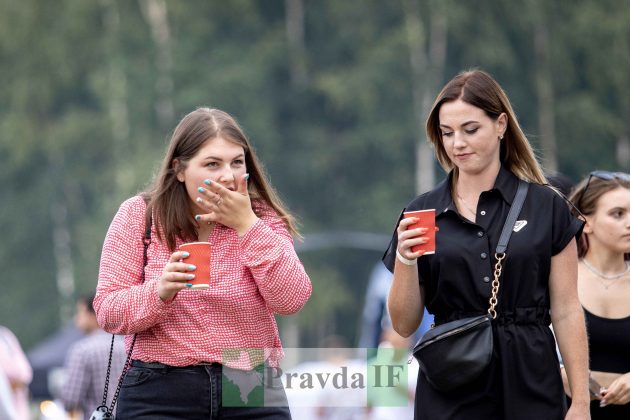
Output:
x=505 y=184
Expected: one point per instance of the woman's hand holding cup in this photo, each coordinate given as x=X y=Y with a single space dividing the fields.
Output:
x=416 y=235
x=408 y=238
x=175 y=276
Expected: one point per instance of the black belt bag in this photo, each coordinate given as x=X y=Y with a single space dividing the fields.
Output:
x=456 y=353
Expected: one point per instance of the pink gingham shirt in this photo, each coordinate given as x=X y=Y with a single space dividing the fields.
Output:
x=252 y=278
x=18 y=371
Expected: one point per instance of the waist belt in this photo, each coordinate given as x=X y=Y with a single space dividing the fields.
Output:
x=158 y=365
x=533 y=315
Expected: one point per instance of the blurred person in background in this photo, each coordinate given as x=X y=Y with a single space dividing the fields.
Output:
x=374 y=307
x=17 y=370
x=477 y=137
x=338 y=403
x=7 y=407
x=374 y=317
x=561 y=182
x=210 y=188
x=86 y=363
x=604 y=289
x=394 y=350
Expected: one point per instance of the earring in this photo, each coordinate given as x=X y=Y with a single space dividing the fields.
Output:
x=501 y=137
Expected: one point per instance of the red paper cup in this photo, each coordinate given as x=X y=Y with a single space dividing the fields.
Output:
x=199 y=257
x=426 y=219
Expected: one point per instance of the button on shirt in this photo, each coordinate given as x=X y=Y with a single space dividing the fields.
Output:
x=253 y=277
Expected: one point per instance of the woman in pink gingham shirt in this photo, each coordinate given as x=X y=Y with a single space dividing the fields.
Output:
x=210 y=188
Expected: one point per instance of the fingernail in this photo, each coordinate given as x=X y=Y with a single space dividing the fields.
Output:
x=191 y=276
x=186 y=254
x=191 y=267
x=188 y=284
x=246 y=177
x=207 y=181
x=200 y=189
x=197 y=218
x=198 y=199
x=602 y=404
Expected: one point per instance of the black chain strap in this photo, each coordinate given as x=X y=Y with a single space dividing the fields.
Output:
x=122 y=375
x=109 y=368
x=109 y=411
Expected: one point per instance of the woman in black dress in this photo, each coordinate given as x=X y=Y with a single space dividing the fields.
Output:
x=477 y=138
x=604 y=288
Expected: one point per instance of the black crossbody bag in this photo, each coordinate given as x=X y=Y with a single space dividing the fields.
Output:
x=103 y=412
x=456 y=353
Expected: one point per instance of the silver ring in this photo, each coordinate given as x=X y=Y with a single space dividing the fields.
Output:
x=219 y=201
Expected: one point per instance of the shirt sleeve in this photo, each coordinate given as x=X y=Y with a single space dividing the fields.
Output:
x=7 y=407
x=267 y=250
x=389 y=257
x=565 y=226
x=14 y=363
x=123 y=303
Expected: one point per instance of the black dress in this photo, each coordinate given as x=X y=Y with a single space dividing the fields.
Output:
x=523 y=380
x=609 y=351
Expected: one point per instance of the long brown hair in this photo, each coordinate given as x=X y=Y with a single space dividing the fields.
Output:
x=479 y=89
x=585 y=197
x=167 y=199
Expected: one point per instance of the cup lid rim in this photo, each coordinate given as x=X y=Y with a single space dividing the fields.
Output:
x=418 y=211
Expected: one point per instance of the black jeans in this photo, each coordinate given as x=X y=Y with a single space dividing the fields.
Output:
x=157 y=391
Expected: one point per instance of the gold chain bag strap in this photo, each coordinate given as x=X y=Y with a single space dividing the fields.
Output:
x=495 y=284
x=455 y=353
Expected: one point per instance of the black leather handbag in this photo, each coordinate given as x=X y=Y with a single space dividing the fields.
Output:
x=456 y=353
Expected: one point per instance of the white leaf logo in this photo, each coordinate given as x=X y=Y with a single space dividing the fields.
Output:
x=520 y=224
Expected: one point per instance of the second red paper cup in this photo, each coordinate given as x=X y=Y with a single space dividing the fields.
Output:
x=199 y=257
x=426 y=219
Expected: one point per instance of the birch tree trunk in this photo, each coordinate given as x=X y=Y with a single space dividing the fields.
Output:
x=544 y=91
x=623 y=152
x=294 y=10
x=296 y=46
x=156 y=15
x=426 y=70
x=62 y=246
x=117 y=98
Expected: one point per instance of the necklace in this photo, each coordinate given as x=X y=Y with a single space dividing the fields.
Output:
x=606 y=276
x=465 y=204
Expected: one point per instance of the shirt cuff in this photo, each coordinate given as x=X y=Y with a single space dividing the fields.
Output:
x=157 y=305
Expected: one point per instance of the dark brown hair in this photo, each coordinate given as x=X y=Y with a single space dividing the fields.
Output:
x=87 y=301
x=586 y=198
x=168 y=201
x=479 y=89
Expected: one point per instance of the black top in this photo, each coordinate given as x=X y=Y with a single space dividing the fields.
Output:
x=608 y=343
x=524 y=379
x=609 y=347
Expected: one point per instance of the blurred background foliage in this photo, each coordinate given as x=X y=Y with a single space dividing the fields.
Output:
x=332 y=93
